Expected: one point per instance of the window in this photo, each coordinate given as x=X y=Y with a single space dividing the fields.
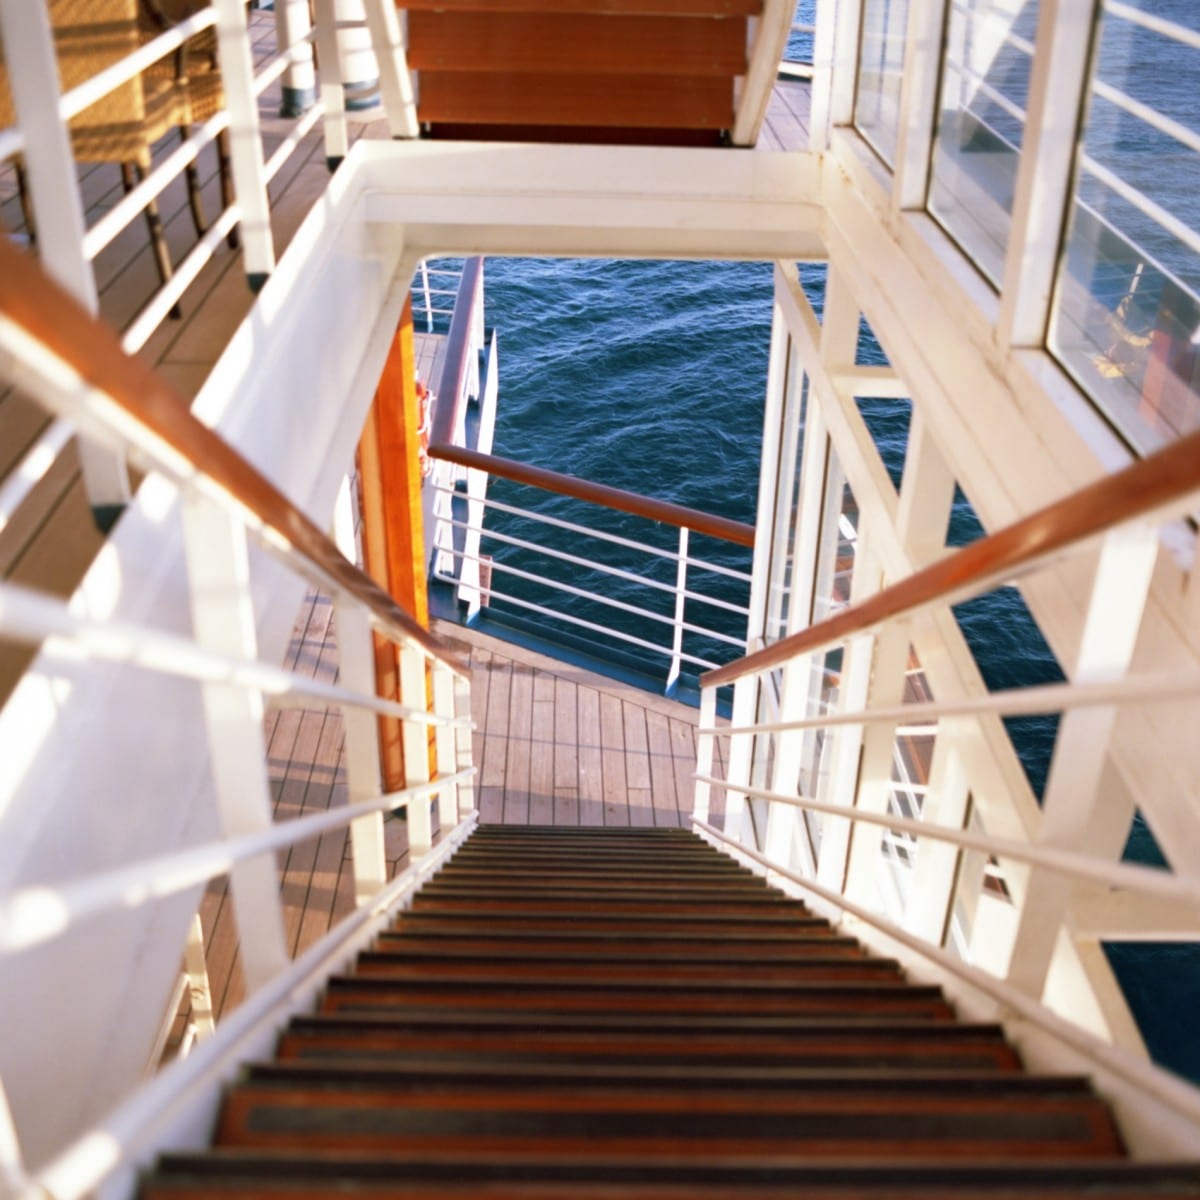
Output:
x=881 y=63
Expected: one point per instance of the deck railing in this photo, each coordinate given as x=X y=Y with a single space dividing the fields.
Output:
x=537 y=564
x=840 y=871
x=70 y=362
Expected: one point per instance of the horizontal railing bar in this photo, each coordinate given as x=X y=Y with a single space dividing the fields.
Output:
x=599 y=534
x=182 y=277
x=1170 y=29
x=131 y=1133
x=592 y=565
x=1012 y=702
x=33 y=617
x=32 y=469
x=1136 y=1070
x=1150 y=208
x=530 y=606
x=129 y=400
x=1164 y=481
x=583 y=594
x=295 y=136
x=32 y=915
x=1151 y=116
x=97 y=86
x=130 y=206
x=1149 y=881
x=598 y=493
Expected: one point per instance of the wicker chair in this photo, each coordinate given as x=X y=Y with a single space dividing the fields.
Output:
x=124 y=126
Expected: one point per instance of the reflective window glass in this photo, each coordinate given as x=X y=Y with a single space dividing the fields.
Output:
x=1126 y=320
x=880 y=65
x=981 y=124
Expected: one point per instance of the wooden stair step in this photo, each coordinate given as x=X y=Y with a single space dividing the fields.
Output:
x=806 y=1046
x=511 y=1178
x=663 y=891
x=649 y=1078
x=680 y=8
x=768 y=928
x=610 y=949
x=607 y=908
x=617 y=972
x=679 y=1121
x=554 y=40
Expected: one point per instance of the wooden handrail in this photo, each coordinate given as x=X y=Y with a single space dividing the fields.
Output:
x=38 y=305
x=1152 y=483
x=599 y=493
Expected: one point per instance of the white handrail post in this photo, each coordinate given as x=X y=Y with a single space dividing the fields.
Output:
x=445 y=745
x=389 y=42
x=1072 y=815
x=357 y=670
x=414 y=739
x=293 y=23
x=333 y=98
x=680 y=604
x=245 y=138
x=424 y=269
x=464 y=751
x=704 y=753
x=218 y=564
x=58 y=213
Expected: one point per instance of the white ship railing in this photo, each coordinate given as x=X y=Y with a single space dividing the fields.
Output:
x=70 y=248
x=557 y=571
x=71 y=363
x=1124 y=514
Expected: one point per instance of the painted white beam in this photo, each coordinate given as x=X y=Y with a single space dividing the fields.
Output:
x=769 y=42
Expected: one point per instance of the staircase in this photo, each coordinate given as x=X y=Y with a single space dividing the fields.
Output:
x=651 y=72
x=604 y=1013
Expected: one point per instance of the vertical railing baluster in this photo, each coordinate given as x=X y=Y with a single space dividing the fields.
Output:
x=680 y=605
x=218 y=565
x=464 y=751
x=704 y=753
x=415 y=740
x=445 y=745
x=195 y=969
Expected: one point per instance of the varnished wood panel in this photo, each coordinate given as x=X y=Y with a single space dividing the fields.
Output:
x=512 y=98
x=576 y=43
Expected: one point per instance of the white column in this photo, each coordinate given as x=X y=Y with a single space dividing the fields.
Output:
x=223 y=619
x=245 y=138
x=292 y=24
x=1072 y=812
x=1045 y=173
x=57 y=207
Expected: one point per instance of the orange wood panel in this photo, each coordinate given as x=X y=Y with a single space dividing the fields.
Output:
x=680 y=102
x=576 y=43
x=393 y=540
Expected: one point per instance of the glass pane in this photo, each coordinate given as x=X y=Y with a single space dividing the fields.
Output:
x=881 y=62
x=981 y=123
x=1127 y=311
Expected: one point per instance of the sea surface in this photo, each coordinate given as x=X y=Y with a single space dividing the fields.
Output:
x=650 y=376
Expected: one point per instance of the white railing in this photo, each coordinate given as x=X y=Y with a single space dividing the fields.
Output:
x=50 y=347
x=535 y=559
x=434 y=292
x=859 y=822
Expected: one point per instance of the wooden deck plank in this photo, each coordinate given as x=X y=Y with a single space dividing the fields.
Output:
x=612 y=760
x=664 y=796
x=591 y=784
x=541 y=761
x=566 y=752
x=520 y=728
